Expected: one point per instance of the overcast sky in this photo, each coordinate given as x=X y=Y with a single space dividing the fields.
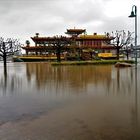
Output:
x=23 y=18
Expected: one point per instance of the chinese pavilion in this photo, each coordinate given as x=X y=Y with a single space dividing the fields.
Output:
x=79 y=43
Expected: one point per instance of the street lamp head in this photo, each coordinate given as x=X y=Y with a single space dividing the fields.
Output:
x=132 y=14
x=134 y=11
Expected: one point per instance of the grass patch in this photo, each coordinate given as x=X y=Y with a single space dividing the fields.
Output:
x=92 y=62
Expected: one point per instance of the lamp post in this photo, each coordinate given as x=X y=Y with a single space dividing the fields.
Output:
x=134 y=15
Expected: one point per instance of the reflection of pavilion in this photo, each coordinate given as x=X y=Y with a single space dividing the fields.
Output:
x=77 y=76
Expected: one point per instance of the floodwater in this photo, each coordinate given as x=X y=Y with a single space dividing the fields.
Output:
x=43 y=102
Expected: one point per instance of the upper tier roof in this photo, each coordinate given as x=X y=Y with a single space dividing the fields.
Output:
x=81 y=37
x=100 y=37
x=75 y=31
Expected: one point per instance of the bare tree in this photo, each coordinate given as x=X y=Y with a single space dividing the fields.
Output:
x=59 y=43
x=127 y=50
x=8 y=47
x=121 y=39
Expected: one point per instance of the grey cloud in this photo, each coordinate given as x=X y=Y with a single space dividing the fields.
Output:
x=22 y=18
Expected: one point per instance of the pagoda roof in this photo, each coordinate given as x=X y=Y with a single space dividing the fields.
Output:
x=42 y=38
x=34 y=47
x=100 y=37
x=75 y=31
x=39 y=39
x=81 y=37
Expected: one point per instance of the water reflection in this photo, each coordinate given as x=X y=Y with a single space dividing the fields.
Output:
x=135 y=106
x=106 y=80
x=3 y=82
x=122 y=81
x=10 y=81
x=77 y=77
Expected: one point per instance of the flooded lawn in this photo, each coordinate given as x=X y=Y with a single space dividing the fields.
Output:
x=43 y=102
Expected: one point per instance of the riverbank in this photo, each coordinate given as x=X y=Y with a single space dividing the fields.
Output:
x=92 y=62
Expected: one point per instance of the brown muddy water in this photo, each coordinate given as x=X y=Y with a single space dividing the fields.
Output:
x=43 y=102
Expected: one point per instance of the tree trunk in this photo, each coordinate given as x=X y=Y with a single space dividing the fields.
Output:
x=5 y=77
x=127 y=55
x=91 y=55
x=79 y=55
x=118 y=53
x=118 y=79
x=4 y=60
x=58 y=54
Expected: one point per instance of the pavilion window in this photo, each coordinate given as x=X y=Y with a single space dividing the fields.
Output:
x=95 y=43
x=98 y=43
x=86 y=43
x=81 y=42
x=90 y=42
